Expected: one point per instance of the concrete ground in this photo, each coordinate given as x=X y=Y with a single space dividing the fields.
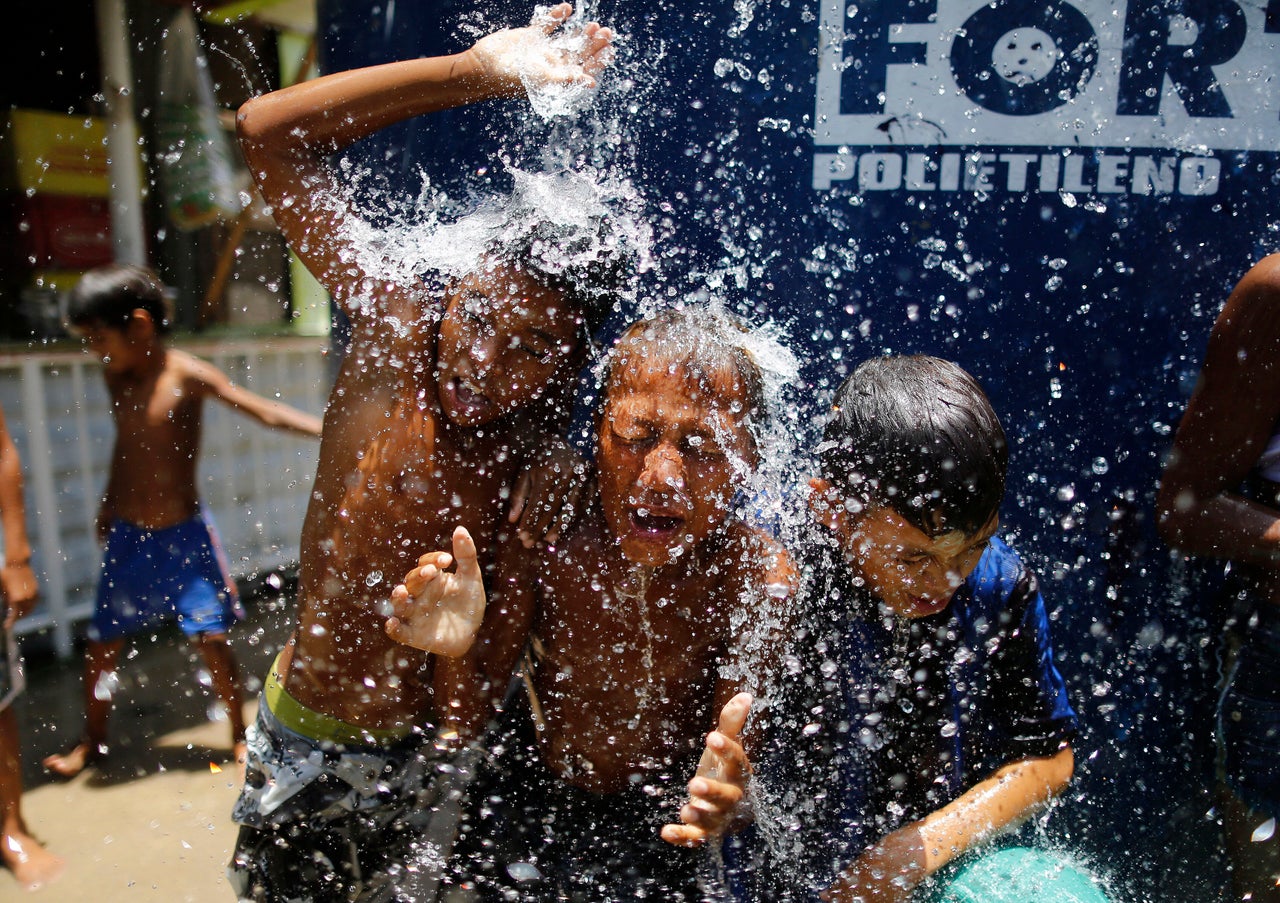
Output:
x=153 y=821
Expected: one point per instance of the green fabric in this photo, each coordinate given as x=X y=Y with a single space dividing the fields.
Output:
x=317 y=725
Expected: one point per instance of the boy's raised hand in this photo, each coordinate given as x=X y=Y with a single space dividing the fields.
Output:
x=717 y=790
x=437 y=610
x=527 y=56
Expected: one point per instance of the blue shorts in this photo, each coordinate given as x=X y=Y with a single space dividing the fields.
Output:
x=150 y=577
x=1249 y=715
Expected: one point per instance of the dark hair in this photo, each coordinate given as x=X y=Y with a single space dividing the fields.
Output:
x=589 y=265
x=918 y=435
x=704 y=341
x=109 y=294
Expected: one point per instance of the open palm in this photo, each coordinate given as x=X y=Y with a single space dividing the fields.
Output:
x=437 y=610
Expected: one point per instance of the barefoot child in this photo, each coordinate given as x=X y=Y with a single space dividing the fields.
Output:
x=162 y=557
x=31 y=864
x=931 y=652
x=448 y=394
x=639 y=619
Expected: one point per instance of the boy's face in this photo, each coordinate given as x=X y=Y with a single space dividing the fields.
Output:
x=913 y=574
x=669 y=456
x=117 y=348
x=503 y=339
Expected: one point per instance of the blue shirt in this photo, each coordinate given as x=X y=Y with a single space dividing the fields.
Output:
x=899 y=716
x=944 y=700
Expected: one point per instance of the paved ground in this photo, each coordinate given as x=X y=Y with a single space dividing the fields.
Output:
x=153 y=823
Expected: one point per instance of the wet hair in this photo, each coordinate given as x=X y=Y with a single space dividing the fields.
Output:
x=917 y=434
x=704 y=342
x=108 y=295
x=589 y=265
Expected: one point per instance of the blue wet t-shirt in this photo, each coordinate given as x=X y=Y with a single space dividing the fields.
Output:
x=898 y=717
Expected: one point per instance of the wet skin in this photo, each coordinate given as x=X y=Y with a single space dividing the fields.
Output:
x=432 y=416
x=620 y=701
x=415 y=444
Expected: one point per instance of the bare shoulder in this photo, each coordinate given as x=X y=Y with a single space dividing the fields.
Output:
x=194 y=369
x=1251 y=316
x=1265 y=275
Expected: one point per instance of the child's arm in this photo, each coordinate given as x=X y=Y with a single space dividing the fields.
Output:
x=287 y=135
x=890 y=870
x=436 y=610
x=274 y=414
x=1229 y=419
x=18 y=587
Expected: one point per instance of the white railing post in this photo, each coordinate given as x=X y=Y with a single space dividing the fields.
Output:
x=47 y=516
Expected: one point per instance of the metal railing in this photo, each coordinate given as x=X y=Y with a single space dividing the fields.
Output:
x=255 y=481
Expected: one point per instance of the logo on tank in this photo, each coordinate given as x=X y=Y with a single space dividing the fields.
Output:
x=1090 y=96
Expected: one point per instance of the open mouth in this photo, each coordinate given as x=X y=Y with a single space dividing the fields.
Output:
x=468 y=397
x=656 y=523
x=921 y=607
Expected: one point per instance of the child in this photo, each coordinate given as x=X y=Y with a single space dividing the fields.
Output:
x=447 y=394
x=32 y=865
x=162 y=557
x=949 y=720
x=640 y=621
x=1220 y=497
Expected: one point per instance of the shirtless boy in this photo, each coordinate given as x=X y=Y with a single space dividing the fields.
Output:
x=633 y=644
x=445 y=398
x=31 y=864
x=162 y=555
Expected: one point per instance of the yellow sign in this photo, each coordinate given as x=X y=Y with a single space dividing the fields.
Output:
x=54 y=153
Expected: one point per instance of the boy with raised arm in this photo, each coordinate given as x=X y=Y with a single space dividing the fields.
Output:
x=448 y=393
x=640 y=627
x=162 y=558
x=929 y=650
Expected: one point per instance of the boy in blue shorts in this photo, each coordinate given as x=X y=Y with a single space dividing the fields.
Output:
x=162 y=558
x=935 y=718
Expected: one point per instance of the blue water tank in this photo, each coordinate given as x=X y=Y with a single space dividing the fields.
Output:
x=1057 y=195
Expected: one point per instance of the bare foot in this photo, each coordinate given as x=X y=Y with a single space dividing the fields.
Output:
x=31 y=864
x=75 y=760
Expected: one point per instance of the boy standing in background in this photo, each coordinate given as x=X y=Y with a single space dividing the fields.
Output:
x=31 y=863
x=162 y=557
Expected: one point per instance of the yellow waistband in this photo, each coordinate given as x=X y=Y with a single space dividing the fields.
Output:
x=317 y=725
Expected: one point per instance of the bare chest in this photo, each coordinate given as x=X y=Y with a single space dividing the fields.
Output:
x=156 y=415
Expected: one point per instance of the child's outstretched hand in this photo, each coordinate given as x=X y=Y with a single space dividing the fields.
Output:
x=437 y=610
x=526 y=56
x=717 y=790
